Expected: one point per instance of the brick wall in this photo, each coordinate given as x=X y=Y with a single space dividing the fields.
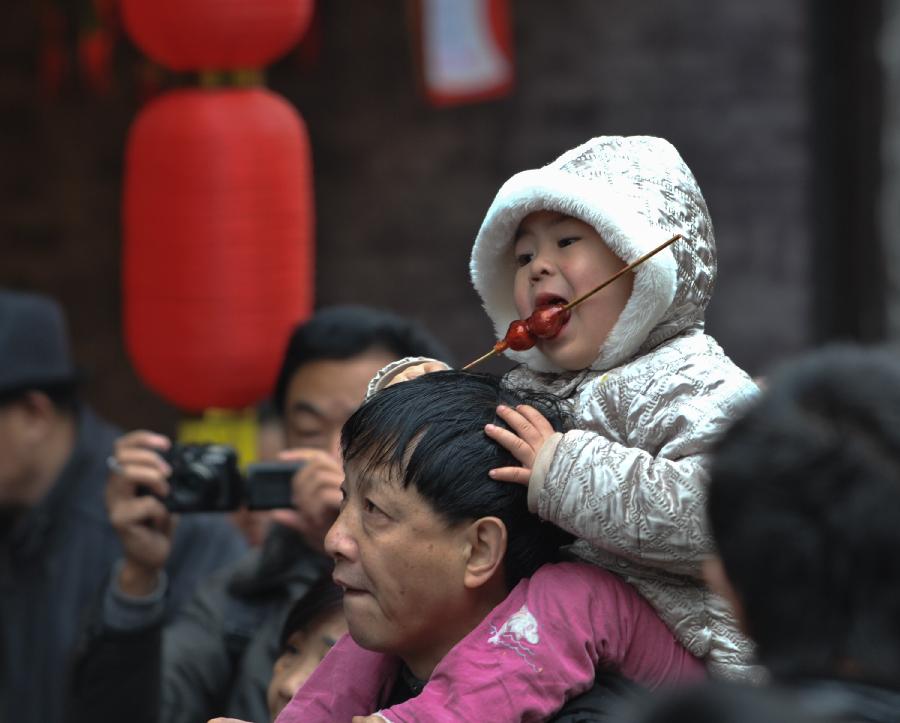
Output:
x=401 y=188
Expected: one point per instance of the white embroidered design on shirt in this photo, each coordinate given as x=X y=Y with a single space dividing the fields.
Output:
x=517 y=634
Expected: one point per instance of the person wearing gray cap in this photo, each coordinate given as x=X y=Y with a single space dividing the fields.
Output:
x=57 y=547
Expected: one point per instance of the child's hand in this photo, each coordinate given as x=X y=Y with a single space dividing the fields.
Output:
x=530 y=429
x=416 y=371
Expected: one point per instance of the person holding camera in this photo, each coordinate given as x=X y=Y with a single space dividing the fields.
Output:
x=217 y=655
x=56 y=544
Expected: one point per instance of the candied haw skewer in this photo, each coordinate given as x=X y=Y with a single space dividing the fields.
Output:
x=542 y=324
x=545 y=323
x=519 y=337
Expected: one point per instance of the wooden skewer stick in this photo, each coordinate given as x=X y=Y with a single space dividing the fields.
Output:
x=482 y=358
x=500 y=346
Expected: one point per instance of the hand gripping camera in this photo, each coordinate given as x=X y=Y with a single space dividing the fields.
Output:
x=206 y=478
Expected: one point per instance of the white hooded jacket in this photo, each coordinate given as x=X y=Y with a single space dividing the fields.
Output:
x=631 y=480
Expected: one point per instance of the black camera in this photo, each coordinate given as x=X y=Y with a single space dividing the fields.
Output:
x=207 y=478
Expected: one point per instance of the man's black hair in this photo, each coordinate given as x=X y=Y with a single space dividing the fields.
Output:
x=440 y=417
x=342 y=332
x=804 y=504
x=323 y=598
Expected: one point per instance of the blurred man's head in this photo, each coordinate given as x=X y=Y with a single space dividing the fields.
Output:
x=330 y=360
x=37 y=397
x=427 y=543
x=805 y=507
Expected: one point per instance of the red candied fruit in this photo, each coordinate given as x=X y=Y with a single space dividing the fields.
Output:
x=546 y=323
x=518 y=337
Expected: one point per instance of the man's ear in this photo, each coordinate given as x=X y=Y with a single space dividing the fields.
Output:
x=717 y=581
x=487 y=550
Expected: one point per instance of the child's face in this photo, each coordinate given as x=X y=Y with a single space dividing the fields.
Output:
x=560 y=258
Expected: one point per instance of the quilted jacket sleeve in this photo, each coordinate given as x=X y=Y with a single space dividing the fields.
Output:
x=637 y=488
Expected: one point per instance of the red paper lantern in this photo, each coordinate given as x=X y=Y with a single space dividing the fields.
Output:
x=215 y=34
x=218 y=261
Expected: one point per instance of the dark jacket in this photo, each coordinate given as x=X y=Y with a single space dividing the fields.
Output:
x=795 y=701
x=214 y=659
x=602 y=702
x=847 y=702
x=55 y=561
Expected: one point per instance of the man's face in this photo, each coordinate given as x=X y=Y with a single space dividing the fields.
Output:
x=16 y=452
x=401 y=566
x=323 y=394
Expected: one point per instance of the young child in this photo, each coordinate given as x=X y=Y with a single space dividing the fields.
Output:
x=650 y=390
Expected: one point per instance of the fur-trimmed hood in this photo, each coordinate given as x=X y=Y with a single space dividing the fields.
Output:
x=636 y=191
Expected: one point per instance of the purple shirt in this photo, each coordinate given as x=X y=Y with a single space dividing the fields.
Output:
x=534 y=651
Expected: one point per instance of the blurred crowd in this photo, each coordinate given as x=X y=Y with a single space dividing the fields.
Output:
x=113 y=611
x=624 y=527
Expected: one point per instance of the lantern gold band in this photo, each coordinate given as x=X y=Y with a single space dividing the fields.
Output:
x=243 y=78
